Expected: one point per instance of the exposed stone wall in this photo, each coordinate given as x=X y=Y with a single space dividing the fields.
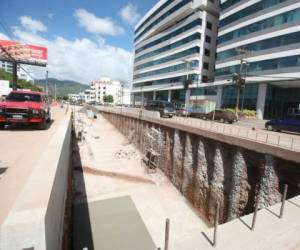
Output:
x=207 y=171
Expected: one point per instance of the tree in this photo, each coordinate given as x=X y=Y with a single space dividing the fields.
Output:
x=108 y=98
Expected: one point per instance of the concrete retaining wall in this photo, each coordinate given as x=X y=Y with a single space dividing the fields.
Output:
x=37 y=217
x=205 y=170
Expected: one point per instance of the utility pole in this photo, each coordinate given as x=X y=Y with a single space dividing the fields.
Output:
x=55 y=92
x=46 y=84
x=15 y=75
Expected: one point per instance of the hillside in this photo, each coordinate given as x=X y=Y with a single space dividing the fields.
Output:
x=22 y=84
x=63 y=87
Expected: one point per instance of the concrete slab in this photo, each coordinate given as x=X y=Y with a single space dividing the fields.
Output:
x=112 y=224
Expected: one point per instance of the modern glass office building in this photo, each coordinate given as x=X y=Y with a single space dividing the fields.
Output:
x=175 y=41
x=266 y=35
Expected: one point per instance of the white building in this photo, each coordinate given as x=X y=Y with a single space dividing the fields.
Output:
x=268 y=31
x=106 y=86
x=23 y=72
x=4 y=88
x=175 y=41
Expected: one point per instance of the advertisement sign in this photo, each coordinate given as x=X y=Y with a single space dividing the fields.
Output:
x=23 y=53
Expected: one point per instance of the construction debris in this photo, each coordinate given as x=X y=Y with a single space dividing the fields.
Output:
x=126 y=154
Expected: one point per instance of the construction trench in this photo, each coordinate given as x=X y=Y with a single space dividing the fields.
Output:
x=208 y=171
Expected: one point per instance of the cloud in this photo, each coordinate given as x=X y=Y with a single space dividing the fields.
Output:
x=97 y=25
x=80 y=60
x=32 y=25
x=50 y=15
x=3 y=37
x=129 y=14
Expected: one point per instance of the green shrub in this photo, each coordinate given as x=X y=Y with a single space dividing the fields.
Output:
x=245 y=112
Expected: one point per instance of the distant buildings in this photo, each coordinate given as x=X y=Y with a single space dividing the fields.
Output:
x=105 y=86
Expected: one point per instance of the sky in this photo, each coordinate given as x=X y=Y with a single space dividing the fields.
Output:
x=86 y=39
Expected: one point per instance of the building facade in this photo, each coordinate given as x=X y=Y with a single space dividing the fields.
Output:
x=175 y=41
x=257 y=39
x=261 y=41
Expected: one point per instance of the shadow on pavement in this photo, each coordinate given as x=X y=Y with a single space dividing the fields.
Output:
x=82 y=232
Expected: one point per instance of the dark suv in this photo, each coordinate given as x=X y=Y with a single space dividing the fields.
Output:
x=163 y=107
x=290 y=123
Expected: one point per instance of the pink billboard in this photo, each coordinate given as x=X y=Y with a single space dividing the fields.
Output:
x=23 y=53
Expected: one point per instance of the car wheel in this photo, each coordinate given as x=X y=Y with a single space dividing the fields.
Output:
x=222 y=120
x=170 y=116
x=49 y=118
x=42 y=125
x=2 y=126
x=270 y=127
x=204 y=117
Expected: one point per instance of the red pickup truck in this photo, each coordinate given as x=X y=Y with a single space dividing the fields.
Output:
x=25 y=107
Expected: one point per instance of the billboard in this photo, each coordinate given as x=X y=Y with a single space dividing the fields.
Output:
x=23 y=53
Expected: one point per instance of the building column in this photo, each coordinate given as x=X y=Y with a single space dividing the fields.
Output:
x=187 y=97
x=219 y=97
x=169 y=95
x=154 y=95
x=142 y=99
x=261 y=99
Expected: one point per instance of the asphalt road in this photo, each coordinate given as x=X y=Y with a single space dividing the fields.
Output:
x=19 y=149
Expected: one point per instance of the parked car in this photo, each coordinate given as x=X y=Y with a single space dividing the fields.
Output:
x=217 y=115
x=181 y=111
x=163 y=107
x=25 y=107
x=290 y=123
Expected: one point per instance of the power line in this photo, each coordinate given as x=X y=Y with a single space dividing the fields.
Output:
x=4 y=25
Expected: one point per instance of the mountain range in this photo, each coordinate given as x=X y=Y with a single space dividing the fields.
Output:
x=63 y=87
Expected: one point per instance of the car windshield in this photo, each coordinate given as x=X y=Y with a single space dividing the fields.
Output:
x=23 y=97
x=168 y=105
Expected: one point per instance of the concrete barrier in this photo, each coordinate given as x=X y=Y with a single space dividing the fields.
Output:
x=37 y=217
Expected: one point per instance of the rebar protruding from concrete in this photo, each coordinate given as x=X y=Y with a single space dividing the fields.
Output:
x=216 y=223
x=283 y=200
x=167 y=233
x=255 y=212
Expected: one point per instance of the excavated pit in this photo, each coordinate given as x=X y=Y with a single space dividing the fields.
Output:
x=207 y=171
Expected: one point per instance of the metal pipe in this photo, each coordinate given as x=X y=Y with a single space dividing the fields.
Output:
x=283 y=200
x=216 y=223
x=167 y=233
x=255 y=213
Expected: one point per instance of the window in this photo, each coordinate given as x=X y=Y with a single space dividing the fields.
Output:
x=162 y=17
x=209 y=25
x=207 y=52
x=206 y=65
x=204 y=78
x=169 y=36
x=169 y=58
x=207 y=39
x=264 y=44
x=272 y=64
x=186 y=40
x=264 y=4
x=287 y=17
x=170 y=69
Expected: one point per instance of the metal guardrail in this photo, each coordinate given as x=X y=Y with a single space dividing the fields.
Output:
x=279 y=140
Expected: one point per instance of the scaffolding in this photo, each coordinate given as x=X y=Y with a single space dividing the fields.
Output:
x=153 y=145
